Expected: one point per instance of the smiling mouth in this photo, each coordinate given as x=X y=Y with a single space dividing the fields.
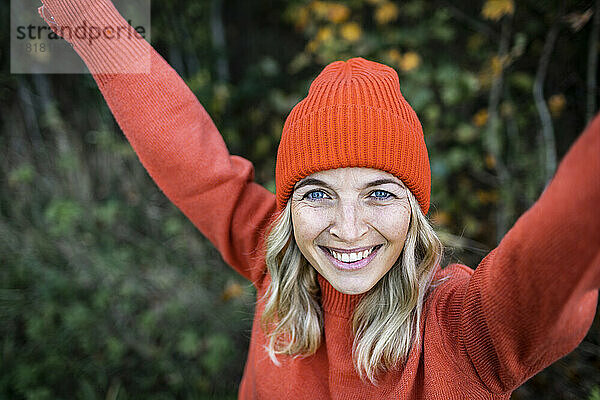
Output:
x=351 y=256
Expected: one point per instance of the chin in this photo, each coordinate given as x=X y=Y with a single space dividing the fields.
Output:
x=353 y=291
x=352 y=288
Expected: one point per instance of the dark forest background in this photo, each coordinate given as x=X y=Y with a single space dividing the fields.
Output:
x=108 y=292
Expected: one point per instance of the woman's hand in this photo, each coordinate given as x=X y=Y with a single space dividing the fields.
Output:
x=99 y=34
x=63 y=14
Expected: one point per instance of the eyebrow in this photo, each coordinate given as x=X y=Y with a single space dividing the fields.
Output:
x=383 y=182
x=318 y=182
x=311 y=181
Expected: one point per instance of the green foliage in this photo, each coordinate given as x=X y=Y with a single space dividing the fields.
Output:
x=105 y=294
x=21 y=175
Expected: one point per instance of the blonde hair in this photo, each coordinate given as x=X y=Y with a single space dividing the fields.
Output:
x=385 y=322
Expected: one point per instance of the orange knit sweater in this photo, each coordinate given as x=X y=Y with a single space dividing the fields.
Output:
x=483 y=332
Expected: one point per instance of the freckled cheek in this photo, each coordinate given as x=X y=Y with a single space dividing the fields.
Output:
x=308 y=225
x=394 y=224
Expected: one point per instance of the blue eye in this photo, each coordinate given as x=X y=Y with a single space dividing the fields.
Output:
x=381 y=195
x=315 y=195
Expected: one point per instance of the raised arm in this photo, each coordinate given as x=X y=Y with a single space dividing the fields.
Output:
x=172 y=134
x=533 y=298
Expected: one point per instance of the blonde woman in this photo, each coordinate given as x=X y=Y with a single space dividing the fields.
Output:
x=352 y=302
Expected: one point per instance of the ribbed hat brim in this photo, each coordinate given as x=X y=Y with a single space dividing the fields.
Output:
x=350 y=135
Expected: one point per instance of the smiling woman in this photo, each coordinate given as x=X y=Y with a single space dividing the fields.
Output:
x=346 y=308
x=348 y=200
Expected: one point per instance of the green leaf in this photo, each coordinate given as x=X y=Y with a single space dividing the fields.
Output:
x=23 y=174
x=189 y=343
x=62 y=215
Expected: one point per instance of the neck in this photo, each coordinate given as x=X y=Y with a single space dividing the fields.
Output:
x=335 y=302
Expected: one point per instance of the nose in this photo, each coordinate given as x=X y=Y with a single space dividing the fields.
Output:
x=349 y=223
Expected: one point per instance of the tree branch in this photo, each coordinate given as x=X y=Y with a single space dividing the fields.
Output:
x=540 y=103
x=592 y=69
x=472 y=22
x=492 y=136
x=218 y=39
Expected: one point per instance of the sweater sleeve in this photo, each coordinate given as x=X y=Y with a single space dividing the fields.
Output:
x=533 y=298
x=173 y=136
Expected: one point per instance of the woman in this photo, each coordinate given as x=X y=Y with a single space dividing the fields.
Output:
x=352 y=302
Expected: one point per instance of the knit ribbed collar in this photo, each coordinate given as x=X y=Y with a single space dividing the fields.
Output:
x=335 y=302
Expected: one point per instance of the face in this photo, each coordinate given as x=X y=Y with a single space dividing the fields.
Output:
x=351 y=224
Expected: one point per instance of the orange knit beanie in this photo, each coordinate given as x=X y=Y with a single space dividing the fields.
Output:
x=354 y=116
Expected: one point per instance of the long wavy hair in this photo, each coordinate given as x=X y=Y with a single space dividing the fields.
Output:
x=386 y=320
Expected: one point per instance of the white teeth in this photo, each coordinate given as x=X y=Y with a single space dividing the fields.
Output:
x=351 y=257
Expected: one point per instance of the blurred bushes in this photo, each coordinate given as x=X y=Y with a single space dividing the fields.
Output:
x=107 y=291
x=110 y=291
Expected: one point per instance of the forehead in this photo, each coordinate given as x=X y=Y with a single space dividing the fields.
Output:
x=351 y=176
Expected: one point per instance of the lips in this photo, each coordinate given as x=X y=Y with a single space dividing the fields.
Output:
x=351 y=259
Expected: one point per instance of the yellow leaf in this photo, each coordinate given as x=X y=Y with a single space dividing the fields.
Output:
x=490 y=161
x=320 y=8
x=480 y=118
x=312 y=46
x=324 y=34
x=338 y=13
x=556 y=104
x=441 y=218
x=394 y=56
x=493 y=69
x=409 y=61
x=232 y=290
x=487 y=197
x=386 y=13
x=496 y=9
x=351 y=31
x=301 y=17
x=496 y=66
